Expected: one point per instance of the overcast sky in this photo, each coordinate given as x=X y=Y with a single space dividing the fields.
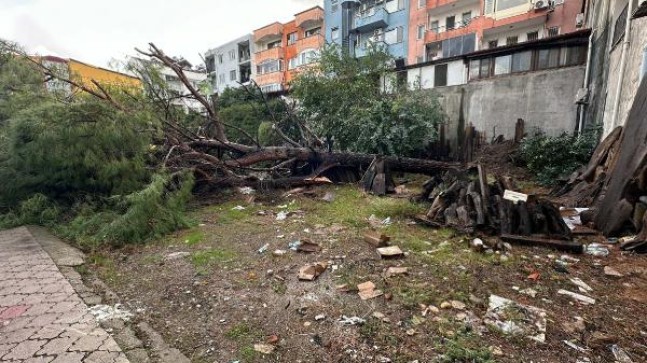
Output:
x=98 y=31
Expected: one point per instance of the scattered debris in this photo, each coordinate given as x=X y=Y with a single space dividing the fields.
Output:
x=620 y=355
x=264 y=348
x=306 y=245
x=445 y=305
x=354 y=320
x=610 y=271
x=238 y=207
x=517 y=319
x=390 y=252
x=392 y=271
x=530 y=292
x=581 y=298
x=376 y=240
x=571 y=217
x=367 y=291
x=281 y=216
x=574 y=247
x=263 y=248
x=320 y=317
x=328 y=197
x=574 y=327
x=583 y=286
x=378 y=223
x=246 y=190
x=458 y=305
x=272 y=339
x=107 y=312
x=596 y=249
x=575 y=346
x=534 y=276
x=176 y=256
x=312 y=271
x=279 y=252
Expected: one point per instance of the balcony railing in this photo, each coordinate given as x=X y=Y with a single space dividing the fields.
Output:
x=312 y=42
x=432 y=4
x=442 y=33
x=272 y=53
x=370 y=19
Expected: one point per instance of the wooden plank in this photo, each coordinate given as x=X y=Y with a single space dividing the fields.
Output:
x=545 y=242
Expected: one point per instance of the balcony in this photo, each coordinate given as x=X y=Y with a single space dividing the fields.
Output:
x=310 y=18
x=269 y=32
x=474 y=26
x=311 y=42
x=446 y=4
x=270 y=78
x=272 y=53
x=367 y=47
x=371 y=19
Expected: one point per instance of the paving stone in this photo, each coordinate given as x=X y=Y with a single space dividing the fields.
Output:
x=138 y=356
x=69 y=357
x=49 y=332
x=40 y=359
x=56 y=346
x=24 y=350
x=17 y=336
x=5 y=348
x=87 y=343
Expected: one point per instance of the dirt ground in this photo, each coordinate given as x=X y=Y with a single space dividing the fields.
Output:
x=222 y=296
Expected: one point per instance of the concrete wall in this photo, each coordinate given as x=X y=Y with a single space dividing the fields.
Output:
x=544 y=100
x=423 y=77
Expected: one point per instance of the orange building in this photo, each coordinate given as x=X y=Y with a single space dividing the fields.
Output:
x=283 y=49
x=448 y=28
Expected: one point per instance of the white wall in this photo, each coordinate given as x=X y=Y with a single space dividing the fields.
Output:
x=522 y=33
x=457 y=12
x=423 y=77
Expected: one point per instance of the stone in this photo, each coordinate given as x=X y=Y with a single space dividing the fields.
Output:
x=445 y=305
x=176 y=256
x=457 y=305
x=610 y=271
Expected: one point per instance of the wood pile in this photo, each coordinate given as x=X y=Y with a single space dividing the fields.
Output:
x=467 y=202
x=614 y=183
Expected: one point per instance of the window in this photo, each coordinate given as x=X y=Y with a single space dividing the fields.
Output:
x=220 y=58
x=434 y=50
x=573 y=56
x=475 y=67
x=232 y=75
x=221 y=78
x=493 y=44
x=434 y=26
x=521 y=62
x=307 y=57
x=467 y=18
x=502 y=65
x=334 y=33
x=421 y=31
x=422 y=4
x=274 y=44
x=334 y=6
x=485 y=68
x=232 y=54
x=532 y=36
x=440 y=75
x=553 y=32
x=548 y=58
x=292 y=38
x=450 y=22
x=211 y=64
x=311 y=32
x=293 y=63
x=269 y=66
x=392 y=36
x=511 y=40
x=500 y=5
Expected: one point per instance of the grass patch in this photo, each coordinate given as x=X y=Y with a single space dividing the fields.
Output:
x=105 y=268
x=194 y=238
x=247 y=353
x=462 y=351
x=411 y=296
x=227 y=214
x=243 y=332
x=203 y=259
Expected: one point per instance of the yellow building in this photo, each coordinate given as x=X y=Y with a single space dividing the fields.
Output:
x=85 y=74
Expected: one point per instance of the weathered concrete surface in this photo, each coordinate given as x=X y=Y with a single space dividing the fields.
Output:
x=545 y=100
x=62 y=253
x=42 y=319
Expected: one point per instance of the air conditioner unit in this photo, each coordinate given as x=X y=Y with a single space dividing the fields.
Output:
x=558 y=2
x=579 y=20
x=540 y=4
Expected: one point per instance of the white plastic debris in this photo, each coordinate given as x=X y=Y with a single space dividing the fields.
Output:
x=281 y=216
x=238 y=207
x=108 y=312
x=581 y=298
x=575 y=346
x=620 y=355
x=246 y=190
x=596 y=249
x=504 y=315
x=353 y=320
x=264 y=248
x=571 y=216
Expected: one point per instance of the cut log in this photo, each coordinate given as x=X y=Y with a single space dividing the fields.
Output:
x=545 y=242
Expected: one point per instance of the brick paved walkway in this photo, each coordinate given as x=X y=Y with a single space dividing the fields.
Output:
x=42 y=319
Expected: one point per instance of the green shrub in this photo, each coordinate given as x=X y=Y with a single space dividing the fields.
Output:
x=552 y=158
x=37 y=210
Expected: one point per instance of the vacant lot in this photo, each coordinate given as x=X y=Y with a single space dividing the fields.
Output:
x=222 y=296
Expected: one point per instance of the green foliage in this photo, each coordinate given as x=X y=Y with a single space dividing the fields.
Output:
x=552 y=158
x=145 y=214
x=267 y=136
x=342 y=97
x=459 y=353
x=37 y=210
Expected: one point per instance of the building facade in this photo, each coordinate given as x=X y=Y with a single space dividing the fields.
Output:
x=230 y=65
x=283 y=49
x=448 y=28
x=361 y=25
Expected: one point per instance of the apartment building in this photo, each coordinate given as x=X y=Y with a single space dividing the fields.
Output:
x=448 y=28
x=283 y=49
x=361 y=25
x=230 y=65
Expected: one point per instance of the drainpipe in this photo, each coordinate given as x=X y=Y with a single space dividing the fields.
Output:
x=587 y=75
x=623 y=63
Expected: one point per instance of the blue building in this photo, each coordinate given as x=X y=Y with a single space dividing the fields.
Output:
x=359 y=25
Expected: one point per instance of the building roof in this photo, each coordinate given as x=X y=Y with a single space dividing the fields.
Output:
x=103 y=69
x=306 y=10
x=574 y=38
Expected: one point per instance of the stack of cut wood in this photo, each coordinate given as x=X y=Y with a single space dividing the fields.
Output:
x=467 y=202
x=378 y=179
